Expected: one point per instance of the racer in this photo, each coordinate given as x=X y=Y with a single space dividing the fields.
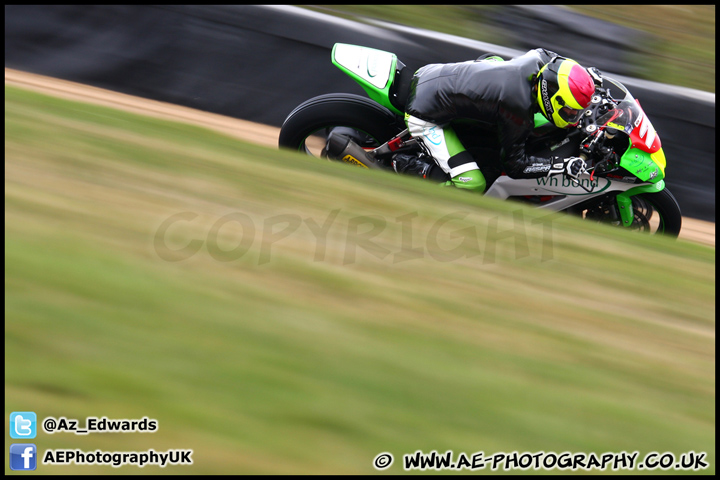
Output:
x=504 y=95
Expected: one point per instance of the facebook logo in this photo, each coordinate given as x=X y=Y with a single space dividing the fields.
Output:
x=23 y=425
x=23 y=456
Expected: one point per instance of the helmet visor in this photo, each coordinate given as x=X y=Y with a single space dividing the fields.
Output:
x=570 y=115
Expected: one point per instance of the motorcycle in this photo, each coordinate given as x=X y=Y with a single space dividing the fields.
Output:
x=623 y=184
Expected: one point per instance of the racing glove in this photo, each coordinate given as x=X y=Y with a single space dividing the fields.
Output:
x=571 y=166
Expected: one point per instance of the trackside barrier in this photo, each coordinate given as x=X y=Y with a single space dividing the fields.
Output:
x=258 y=62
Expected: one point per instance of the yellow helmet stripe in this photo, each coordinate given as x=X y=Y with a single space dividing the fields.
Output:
x=563 y=82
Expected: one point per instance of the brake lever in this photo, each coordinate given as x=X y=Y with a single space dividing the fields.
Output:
x=596 y=76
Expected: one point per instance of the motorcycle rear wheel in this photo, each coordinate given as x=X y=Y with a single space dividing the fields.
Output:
x=307 y=127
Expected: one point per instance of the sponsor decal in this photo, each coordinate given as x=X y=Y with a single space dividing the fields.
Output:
x=546 y=100
x=353 y=161
x=537 y=168
x=565 y=182
x=646 y=130
x=432 y=136
x=615 y=126
x=464 y=179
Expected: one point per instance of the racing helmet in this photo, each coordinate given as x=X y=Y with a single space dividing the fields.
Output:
x=564 y=91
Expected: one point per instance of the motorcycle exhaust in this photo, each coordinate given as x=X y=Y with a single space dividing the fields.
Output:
x=340 y=147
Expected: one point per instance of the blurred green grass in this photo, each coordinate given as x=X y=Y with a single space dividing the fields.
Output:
x=310 y=363
x=680 y=49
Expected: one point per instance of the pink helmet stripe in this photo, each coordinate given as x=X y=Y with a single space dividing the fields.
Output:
x=581 y=85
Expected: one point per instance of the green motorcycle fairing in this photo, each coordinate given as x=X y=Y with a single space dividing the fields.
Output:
x=374 y=70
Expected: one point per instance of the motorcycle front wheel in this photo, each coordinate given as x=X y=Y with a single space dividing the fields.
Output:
x=367 y=123
x=653 y=213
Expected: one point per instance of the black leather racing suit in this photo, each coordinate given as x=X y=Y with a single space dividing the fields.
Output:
x=497 y=94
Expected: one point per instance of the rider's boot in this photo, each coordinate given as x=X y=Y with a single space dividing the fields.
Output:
x=425 y=167
x=421 y=166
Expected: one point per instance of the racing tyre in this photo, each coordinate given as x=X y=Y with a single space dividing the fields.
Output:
x=366 y=122
x=657 y=213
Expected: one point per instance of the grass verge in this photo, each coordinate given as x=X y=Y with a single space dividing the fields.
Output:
x=277 y=314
